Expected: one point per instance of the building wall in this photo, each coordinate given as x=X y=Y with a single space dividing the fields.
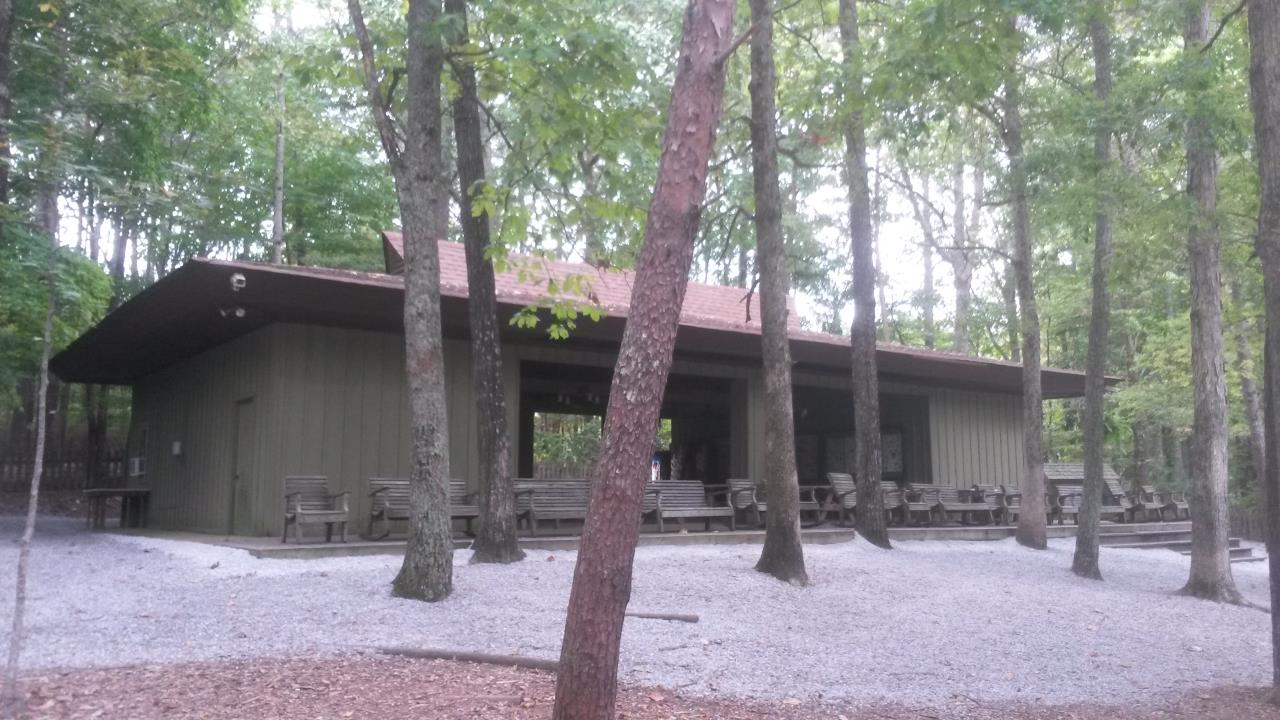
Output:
x=334 y=402
x=976 y=438
x=193 y=403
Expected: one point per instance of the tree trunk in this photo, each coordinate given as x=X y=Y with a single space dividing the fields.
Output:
x=1264 y=85
x=6 y=42
x=12 y=701
x=496 y=540
x=49 y=171
x=587 y=684
x=782 y=556
x=1085 y=562
x=1210 y=576
x=427 y=572
x=1009 y=293
x=1031 y=530
x=958 y=258
x=277 y=205
x=1249 y=389
x=869 y=514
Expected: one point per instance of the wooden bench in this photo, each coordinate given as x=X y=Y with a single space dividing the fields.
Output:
x=389 y=500
x=992 y=495
x=552 y=499
x=962 y=502
x=1064 y=501
x=134 y=506
x=844 y=492
x=1157 y=500
x=1179 y=505
x=1114 y=496
x=918 y=499
x=743 y=496
x=307 y=500
x=681 y=499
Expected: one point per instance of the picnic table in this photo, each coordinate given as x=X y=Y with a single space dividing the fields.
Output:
x=134 y=506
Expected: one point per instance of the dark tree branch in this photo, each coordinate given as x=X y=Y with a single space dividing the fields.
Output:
x=1226 y=19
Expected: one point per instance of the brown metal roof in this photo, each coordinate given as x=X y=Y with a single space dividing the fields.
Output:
x=196 y=308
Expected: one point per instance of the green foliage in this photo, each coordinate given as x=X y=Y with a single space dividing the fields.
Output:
x=82 y=290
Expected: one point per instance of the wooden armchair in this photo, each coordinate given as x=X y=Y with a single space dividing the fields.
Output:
x=307 y=500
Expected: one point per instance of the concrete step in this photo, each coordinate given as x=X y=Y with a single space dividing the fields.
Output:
x=1179 y=545
x=1234 y=553
x=1108 y=528
x=1144 y=536
x=1250 y=559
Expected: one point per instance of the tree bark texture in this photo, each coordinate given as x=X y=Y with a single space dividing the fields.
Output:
x=586 y=687
x=869 y=516
x=277 y=204
x=1085 y=561
x=1031 y=530
x=1264 y=85
x=782 y=555
x=1249 y=392
x=496 y=540
x=419 y=172
x=6 y=59
x=964 y=229
x=1210 y=576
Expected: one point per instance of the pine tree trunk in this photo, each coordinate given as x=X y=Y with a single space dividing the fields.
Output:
x=496 y=540
x=782 y=556
x=869 y=515
x=586 y=686
x=6 y=43
x=1031 y=530
x=277 y=205
x=958 y=258
x=1264 y=85
x=1085 y=562
x=1210 y=576
x=1249 y=393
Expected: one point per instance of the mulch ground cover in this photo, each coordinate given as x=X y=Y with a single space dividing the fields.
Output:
x=374 y=687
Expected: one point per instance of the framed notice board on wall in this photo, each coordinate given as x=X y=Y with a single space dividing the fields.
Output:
x=893 y=452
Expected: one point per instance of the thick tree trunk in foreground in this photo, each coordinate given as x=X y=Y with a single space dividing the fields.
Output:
x=496 y=540
x=1264 y=86
x=1031 y=530
x=1210 y=576
x=1085 y=562
x=419 y=172
x=869 y=514
x=587 y=684
x=782 y=556
x=427 y=572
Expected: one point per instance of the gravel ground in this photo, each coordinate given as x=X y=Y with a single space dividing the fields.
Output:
x=382 y=688
x=925 y=624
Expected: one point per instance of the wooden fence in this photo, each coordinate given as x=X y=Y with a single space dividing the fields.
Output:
x=60 y=472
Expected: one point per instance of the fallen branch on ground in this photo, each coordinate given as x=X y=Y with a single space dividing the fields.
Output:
x=475 y=657
x=679 y=617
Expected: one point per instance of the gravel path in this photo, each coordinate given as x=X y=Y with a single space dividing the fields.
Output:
x=922 y=624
